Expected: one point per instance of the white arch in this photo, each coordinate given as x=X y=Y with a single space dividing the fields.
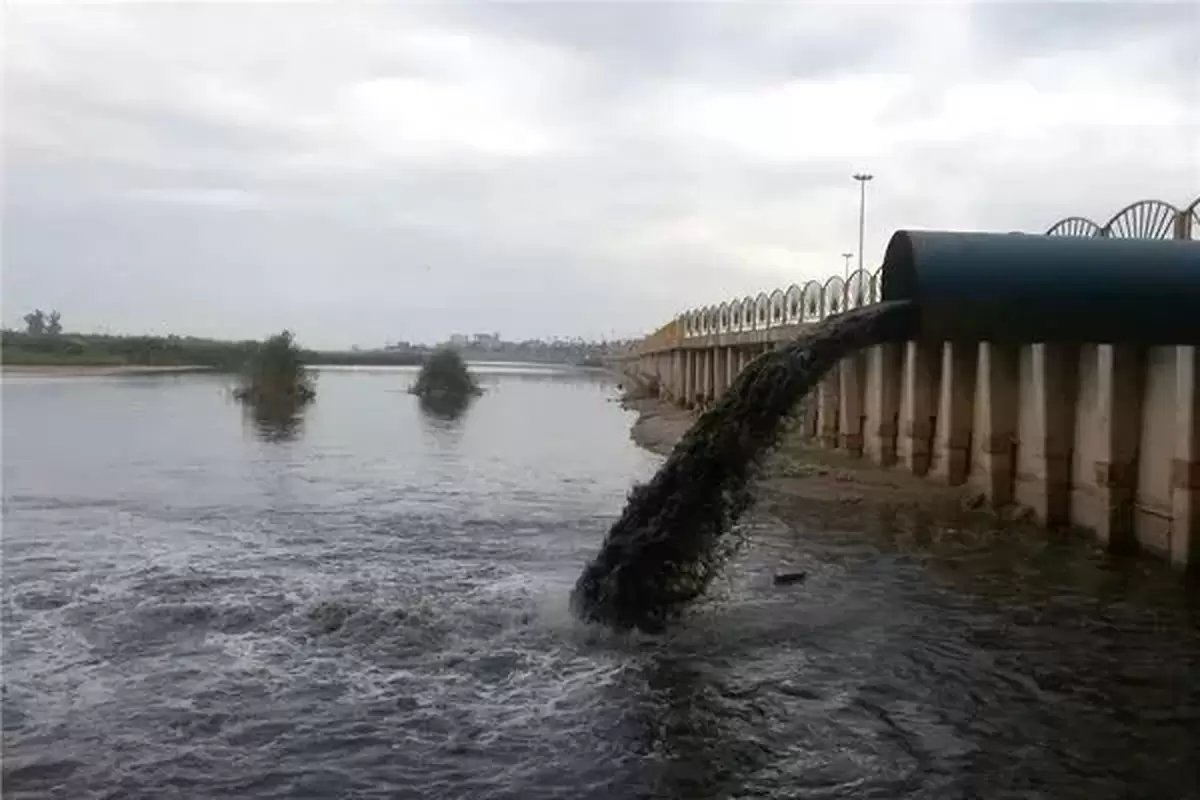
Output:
x=792 y=299
x=835 y=296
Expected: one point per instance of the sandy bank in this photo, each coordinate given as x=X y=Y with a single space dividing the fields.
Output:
x=798 y=470
x=659 y=425
x=80 y=371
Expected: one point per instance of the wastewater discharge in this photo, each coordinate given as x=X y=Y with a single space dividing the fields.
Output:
x=672 y=537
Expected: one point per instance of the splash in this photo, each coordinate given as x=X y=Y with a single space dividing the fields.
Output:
x=672 y=538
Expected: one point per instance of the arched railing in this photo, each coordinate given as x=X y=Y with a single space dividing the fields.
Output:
x=858 y=290
x=776 y=309
x=1145 y=219
x=1074 y=226
x=793 y=300
x=813 y=301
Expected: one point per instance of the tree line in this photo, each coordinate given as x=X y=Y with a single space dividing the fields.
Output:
x=38 y=323
x=43 y=342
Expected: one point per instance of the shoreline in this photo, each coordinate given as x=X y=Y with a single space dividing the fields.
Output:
x=803 y=485
x=659 y=426
x=800 y=471
x=87 y=371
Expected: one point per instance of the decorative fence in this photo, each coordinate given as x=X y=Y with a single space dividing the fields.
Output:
x=814 y=301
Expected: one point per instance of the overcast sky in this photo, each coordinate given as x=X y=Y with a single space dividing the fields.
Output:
x=369 y=173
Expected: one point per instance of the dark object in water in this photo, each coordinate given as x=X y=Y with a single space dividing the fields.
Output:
x=275 y=375
x=670 y=540
x=788 y=578
x=445 y=379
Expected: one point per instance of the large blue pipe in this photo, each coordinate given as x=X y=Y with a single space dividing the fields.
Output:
x=1017 y=288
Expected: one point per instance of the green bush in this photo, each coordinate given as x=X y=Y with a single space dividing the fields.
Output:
x=445 y=376
x=275 y=373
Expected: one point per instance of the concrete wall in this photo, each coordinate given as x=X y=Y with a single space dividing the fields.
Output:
x=1097 y=436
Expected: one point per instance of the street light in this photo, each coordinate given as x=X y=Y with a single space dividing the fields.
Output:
x=862 y=178
x=846 y=276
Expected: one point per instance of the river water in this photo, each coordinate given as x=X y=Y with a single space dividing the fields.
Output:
x=373 y=603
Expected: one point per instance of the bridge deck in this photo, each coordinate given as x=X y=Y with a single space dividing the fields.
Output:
x=781 y=333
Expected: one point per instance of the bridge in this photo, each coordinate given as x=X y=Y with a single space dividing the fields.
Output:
x=1104 y=436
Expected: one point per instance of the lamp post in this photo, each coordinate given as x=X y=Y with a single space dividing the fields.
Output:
x=862 y=178
x=846 y=271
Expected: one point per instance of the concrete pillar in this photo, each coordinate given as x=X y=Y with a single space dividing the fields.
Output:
x=995 y=422
x=717 y=381
x=707 y=388
x=689 y=378
x=851 y=379
x=921 y=363
x=720 y=372
x=681 y=386
x=811 y=417
x=681 y=398
x=714 y=378
x=956 y=412
x=1120 y=381
x=828 y=396
x=697 y=384
x=1185 y=468
x=883 y=402
x=676 y=375
x=1051 y=444
x=730 y=372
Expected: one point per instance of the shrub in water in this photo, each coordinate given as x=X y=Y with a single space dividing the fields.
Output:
x=275 y=374
x=444 y=380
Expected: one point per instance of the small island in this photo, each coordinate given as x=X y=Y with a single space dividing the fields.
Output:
x=445 y=385
x=275 y=375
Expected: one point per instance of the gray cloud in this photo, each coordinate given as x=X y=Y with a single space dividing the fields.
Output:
x=716 y=43
x=1039 y=28
x=368 y=173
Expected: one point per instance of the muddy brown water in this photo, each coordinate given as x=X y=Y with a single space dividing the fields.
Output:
x=372 y=602
x=677 y=530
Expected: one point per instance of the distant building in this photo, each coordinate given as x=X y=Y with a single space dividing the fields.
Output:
x=487 y=341
x=459 y=340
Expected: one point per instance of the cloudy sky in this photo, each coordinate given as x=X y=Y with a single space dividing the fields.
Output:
x=362 y=173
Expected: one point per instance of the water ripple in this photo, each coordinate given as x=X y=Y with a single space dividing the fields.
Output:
x=359 y=615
